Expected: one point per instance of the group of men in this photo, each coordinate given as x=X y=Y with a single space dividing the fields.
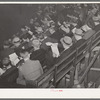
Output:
x=50 y=33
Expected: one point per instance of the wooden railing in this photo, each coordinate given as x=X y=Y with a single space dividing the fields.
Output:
x=68 y=63
x=88 y=67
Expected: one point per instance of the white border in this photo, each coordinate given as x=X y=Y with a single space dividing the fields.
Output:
x=49 y=93
x=44 y=2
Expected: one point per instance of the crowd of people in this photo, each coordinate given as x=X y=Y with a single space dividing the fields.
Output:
x=52 y=30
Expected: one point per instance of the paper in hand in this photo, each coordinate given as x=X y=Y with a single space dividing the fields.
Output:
x=14 y=58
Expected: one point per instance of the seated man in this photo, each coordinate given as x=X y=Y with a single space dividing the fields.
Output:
x=8 y=72
x=6 y=45
x=30 y=70
x=78 y=33
x=66 y=42
x=6 y=64
x=47 y=46
x=16 y=42
x=37 y=53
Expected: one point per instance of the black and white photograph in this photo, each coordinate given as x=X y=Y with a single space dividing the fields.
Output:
x=51 y=46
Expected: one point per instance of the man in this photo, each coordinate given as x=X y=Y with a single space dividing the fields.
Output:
x=6 y=64
x=37 y=53
x=66 y=42
x=30 y=70
x=16 y=42
x=50 y=59
x=78 y=33
x=8 y=72
x=6 y=45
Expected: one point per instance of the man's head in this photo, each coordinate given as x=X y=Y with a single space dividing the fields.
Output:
x=36 y=43
x=24 y=53
x=16 y=41
x=66 y=42
x=6 y=44
x=6 y=61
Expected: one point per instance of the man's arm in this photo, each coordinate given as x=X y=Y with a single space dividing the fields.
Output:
x=20 y=79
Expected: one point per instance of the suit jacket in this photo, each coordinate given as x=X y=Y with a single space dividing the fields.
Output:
x=30 y=70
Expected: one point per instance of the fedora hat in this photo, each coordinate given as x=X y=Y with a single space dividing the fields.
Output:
x=66 y=42
x=78 y=34
x=16 y=40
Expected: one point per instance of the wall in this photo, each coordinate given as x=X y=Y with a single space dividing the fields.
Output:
x=12 y=17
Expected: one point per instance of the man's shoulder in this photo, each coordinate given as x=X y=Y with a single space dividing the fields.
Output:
x=32 y=62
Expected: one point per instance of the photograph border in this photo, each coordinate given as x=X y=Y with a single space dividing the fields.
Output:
x=54 y=93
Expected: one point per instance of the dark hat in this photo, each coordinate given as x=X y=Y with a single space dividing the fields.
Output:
x=22 y=50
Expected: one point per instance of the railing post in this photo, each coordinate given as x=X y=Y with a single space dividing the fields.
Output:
x=75 y=66
x=88 y=60
x=86 y=81
x=55 y=76
x=72 y=72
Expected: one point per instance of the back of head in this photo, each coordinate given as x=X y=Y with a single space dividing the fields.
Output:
x=24 y=53
x=6 y=44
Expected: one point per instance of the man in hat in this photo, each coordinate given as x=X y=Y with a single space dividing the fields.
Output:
x=66 y=42
x=16 y=42
x=78 y=33
x=6 y=44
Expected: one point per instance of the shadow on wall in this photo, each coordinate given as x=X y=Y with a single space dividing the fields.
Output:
x=12 y=17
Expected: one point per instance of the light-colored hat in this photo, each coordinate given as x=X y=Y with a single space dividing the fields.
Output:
x=35 y=42
x=67 y=30
x=16 y=40
x=66 y=42
x=78 y=32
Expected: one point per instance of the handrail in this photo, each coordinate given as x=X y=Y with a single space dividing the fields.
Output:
x=88 y=67
x=53 y=68
x=57 y=64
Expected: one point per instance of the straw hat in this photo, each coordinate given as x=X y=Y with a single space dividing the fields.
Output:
x=66 y=42
x=78 y=31
x=78 y=34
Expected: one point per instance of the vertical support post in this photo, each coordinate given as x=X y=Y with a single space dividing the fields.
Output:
x=55 y=76
x=72 y=72
x=86 y=81
x=75 y=67
x=88 y=60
